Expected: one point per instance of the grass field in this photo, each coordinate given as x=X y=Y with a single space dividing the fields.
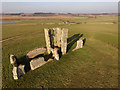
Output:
x=93 y=66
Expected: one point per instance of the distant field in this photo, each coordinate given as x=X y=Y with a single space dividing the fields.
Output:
x=39 y=17
x=93 y=66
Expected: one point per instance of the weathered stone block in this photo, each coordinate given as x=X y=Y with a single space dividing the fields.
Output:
x=15 y=74
x=55 y=53
x=13 y=60
x=64 y=37
x=47 y=39
x=36 y=52
x=21 y=70
x=79 y=44
x=36 y=63
x=55 y=36
x=18 y=71
x=59 y=32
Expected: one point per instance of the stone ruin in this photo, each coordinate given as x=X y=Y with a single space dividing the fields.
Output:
x=56 y=39
x=17 y=70
x=79 y=44
x=56 y=43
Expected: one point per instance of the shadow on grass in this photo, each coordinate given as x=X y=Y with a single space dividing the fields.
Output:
x=72 y=37
x=84 y=40
x=47 y=56
x=72 y=40
x=25 y=61
x=59 y=52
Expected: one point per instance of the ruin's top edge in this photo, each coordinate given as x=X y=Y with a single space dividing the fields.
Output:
x=55 y=28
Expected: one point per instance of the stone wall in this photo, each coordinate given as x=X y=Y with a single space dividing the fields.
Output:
x=56 y=37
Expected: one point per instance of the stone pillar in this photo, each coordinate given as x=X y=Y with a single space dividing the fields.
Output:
x=55 y=53
x=17 y=70
x=15 y=74
x=58 y=37
x=47 y=39
x=64 y=36
x=55 y=36
x=13 y=61
x=79 y=44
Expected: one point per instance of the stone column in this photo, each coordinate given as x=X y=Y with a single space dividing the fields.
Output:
x=64 y=36
x=15 y=74
x=17 y=70
x=59 y=32
x=79 y=44
x=55 y=36
x=13 y=61
x=55 y=53
x=47 y=39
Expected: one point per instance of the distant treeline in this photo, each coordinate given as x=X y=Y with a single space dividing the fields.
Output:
x=12 y=13
x=50 y=14
x=30 y=14
x=43 y=13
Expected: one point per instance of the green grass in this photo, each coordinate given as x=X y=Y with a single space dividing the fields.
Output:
x=93 y=66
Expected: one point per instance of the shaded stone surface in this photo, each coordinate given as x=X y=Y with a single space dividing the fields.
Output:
x=35 y=63
x=21 y=70
x=18 y=71
x=36 y=52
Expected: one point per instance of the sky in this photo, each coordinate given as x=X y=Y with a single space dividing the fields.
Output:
x=10 y=6
x=60 y=0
